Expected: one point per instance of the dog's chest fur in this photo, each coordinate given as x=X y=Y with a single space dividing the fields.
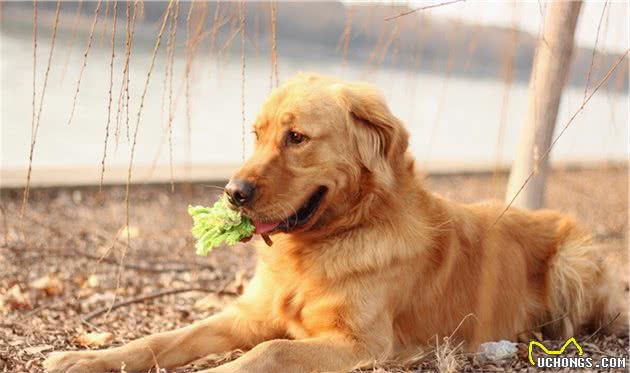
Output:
x=306 y=304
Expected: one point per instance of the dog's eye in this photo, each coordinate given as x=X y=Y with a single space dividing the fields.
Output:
x=255 y=135
x=295 y=138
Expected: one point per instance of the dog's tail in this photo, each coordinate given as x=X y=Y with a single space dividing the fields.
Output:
x=588 y=290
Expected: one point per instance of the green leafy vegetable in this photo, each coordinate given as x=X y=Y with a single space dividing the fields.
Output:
x=216 y=225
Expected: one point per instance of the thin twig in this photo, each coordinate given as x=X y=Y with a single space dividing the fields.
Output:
x=555 y=140
x=187 y=107
x=243 y=25
x=135 y=136
x=215 y=27
x=602 y=326
x=274 y=80
x=153 y=267
x=103 y=235
x=50 y=55
x=105 y=22
x=158 y=294
x=73 y=38
x=111 y=83
x=378 y=45
x=192 y=42
x=346 y=35
x=423 y=8
x=120 y=103
x=5 y=224
x=536 y=327
x=123 y=101
x=450 y=64
x=590 y=70
x=35 y=129
x=171 y=112
x=510 y=61
x=85 y=56
x=28 y=175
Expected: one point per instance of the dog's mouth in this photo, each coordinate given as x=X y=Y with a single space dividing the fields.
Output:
x=301 y=217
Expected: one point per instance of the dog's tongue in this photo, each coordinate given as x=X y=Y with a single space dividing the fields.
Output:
x=262 y=228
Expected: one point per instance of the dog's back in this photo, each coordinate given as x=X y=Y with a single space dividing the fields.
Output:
x=549 y=270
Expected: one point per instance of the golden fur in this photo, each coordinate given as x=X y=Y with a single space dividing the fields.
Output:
x=384 y=266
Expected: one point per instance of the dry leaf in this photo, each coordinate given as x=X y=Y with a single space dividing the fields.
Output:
x=15 y=298
x=37 y=349
x=50 y=285
x=95 y=339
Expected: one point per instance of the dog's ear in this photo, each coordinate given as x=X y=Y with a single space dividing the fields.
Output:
x=380 y=136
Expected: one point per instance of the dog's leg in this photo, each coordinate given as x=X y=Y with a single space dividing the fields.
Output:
x=222 y=332
x=320 y=354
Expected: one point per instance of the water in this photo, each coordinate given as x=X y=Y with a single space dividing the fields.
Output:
x=454 y=120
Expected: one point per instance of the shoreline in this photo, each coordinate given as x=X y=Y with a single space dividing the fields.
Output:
x=52 y=177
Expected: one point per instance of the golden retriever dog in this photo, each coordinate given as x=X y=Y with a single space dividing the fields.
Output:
x=366 y=264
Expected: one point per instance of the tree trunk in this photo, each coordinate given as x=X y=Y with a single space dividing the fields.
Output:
x=549 y=75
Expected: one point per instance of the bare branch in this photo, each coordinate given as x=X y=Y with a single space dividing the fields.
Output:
x=111 y=83
x=555 y=140
x=423 y=8
x=85 y=56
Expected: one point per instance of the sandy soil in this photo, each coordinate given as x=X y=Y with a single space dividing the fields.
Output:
x=65 y=265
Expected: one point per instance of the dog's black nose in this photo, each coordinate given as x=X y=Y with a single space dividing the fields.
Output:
x=240 y=192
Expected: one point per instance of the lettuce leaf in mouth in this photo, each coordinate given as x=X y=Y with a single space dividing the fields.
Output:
x=218 y=225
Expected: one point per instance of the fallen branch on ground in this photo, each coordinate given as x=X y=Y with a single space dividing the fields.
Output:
x=158 y=294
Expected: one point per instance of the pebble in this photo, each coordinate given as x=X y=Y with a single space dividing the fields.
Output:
x=496 y=351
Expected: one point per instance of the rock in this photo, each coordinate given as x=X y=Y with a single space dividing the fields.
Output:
x=496 y=351
x=93 y=281
x=77 y=197
x=15 y=298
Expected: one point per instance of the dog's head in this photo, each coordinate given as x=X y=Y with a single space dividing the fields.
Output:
x=321 y=146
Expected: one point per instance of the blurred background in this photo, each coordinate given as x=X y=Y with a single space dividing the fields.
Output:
x=457 y=75
x=154 y=100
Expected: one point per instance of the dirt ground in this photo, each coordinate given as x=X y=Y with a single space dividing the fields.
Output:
x=64 y=267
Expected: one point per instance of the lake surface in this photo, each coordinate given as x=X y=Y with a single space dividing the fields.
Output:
x=451 y=119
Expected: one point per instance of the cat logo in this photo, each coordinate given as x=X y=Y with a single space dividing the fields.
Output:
x=552 y=352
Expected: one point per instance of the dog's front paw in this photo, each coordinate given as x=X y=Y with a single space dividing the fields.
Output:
x=73 y=362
